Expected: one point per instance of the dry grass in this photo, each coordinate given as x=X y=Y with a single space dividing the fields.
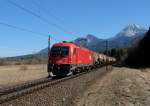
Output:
x=23 y=68
x=14 y=74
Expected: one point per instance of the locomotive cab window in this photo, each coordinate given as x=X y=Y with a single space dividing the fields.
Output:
x=60 y=51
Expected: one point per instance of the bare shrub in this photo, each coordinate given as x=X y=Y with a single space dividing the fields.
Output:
x=2 y=62
x=17 y=63
x=24 y=68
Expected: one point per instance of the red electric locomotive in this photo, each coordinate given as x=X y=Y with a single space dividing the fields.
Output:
x=68 y=58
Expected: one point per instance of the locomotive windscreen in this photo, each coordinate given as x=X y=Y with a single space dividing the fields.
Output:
x=60 y=51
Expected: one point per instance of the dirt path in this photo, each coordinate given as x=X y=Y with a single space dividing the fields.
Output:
x=121 y=87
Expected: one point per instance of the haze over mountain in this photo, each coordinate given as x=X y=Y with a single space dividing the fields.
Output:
x=125 y=38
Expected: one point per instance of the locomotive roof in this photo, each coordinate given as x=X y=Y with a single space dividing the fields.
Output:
x=70 y=44
x=65 y=44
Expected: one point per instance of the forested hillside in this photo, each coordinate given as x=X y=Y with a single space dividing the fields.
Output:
x=140 y=55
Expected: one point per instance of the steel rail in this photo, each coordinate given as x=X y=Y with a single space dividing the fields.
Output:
x=13 y=92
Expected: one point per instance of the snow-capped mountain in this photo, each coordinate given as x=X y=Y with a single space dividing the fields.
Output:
x=131 y=30
x=125 y=38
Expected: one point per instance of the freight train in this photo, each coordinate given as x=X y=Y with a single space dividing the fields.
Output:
x=67 y=58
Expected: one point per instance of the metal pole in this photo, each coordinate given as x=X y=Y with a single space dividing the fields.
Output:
x=49 y=38
x=106 y=54
x=48 y=55
x=48 y=47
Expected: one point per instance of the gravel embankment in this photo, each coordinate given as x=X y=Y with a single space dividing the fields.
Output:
x=62 y=94
x=121 y=87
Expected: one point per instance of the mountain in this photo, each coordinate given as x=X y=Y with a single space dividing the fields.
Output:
x=43 y=51
x=127 y=37
x=132 y=30
x=88 y=41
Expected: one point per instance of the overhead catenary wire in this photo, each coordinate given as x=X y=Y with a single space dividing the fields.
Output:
x=23 y=29
x=40 y=17
x=27 y=30
x=43 y=9
x=37 y=6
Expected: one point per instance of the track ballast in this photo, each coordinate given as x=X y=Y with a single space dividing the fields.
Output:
x=13 y=92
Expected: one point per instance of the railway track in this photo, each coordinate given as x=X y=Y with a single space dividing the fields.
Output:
x=13 y=92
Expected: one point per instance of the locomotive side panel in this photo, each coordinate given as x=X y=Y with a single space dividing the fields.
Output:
x=85 y=56
x=73 y=55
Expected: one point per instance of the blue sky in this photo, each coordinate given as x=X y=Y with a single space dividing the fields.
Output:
x=74 y=18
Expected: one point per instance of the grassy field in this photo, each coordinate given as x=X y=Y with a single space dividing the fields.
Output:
x=15 y=74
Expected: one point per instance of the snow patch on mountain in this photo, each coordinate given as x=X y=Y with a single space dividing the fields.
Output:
x=132 y=30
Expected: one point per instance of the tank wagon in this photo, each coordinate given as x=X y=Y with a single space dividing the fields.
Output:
x=68 y=58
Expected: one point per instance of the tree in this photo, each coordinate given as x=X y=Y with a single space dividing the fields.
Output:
x=113 y=52
x=140 y=55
